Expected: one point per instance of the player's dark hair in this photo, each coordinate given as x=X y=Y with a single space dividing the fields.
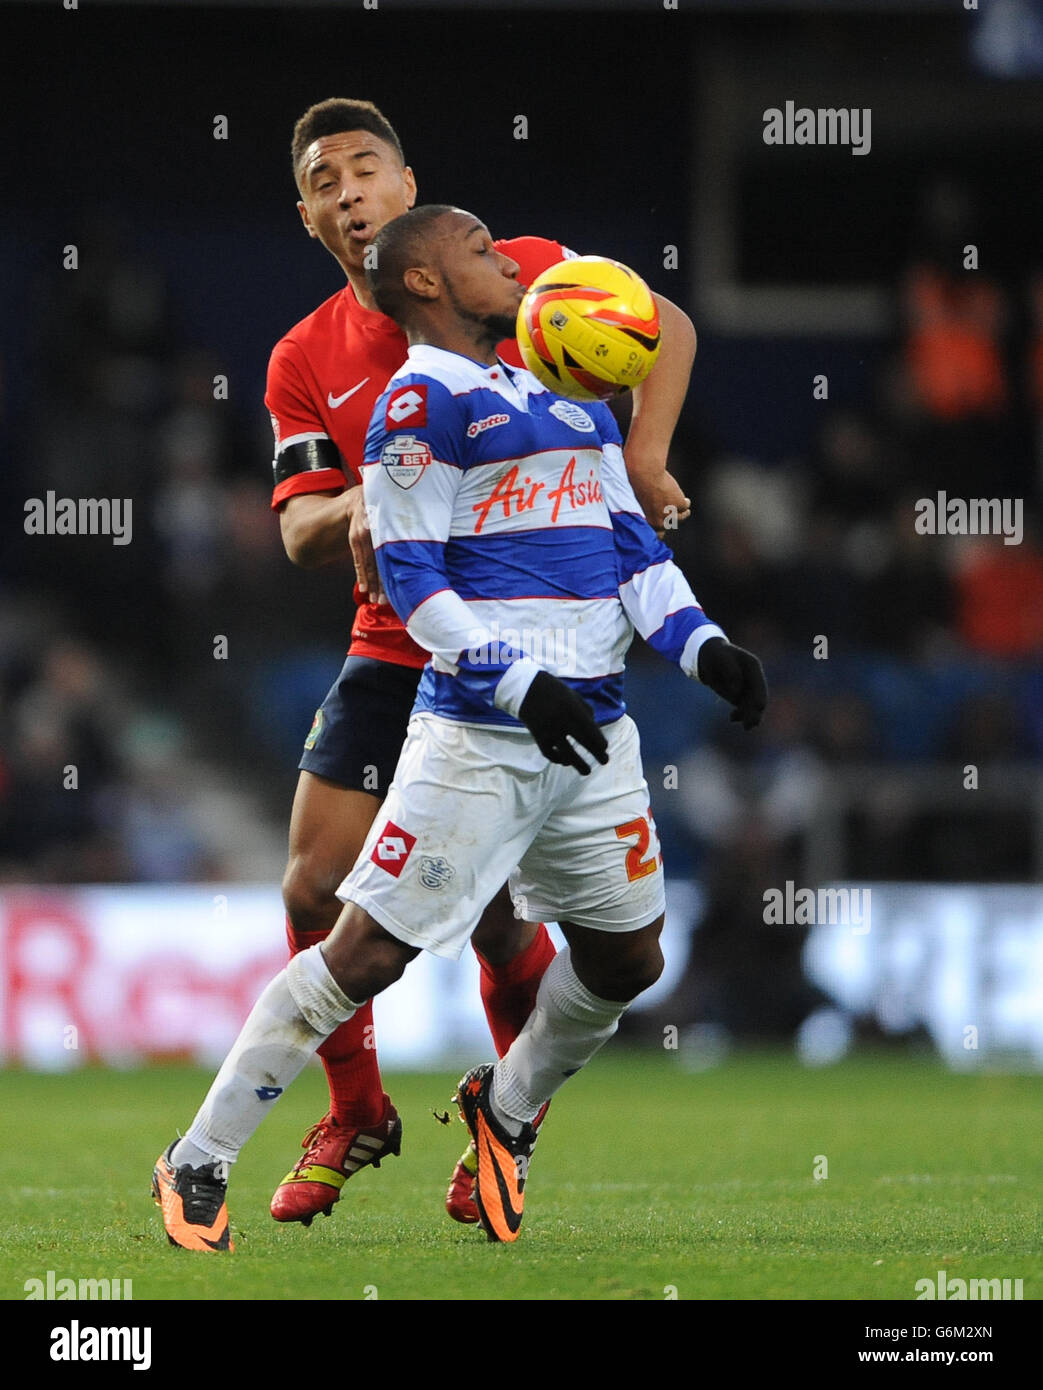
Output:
x=398 y=246
x=338 y=116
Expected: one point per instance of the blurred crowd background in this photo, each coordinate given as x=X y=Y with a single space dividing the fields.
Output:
x=191 y=265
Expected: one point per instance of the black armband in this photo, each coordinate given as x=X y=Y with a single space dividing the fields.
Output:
x=306 y=456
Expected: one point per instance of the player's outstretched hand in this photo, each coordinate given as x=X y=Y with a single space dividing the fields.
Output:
x=737 y=676
x=552 y=713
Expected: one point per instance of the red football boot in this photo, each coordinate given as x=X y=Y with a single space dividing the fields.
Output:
x=459 y=1200
x=332 y=1154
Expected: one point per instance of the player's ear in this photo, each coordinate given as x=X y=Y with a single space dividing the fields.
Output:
x=421 y=282
x=410 y=182
x=302 y=209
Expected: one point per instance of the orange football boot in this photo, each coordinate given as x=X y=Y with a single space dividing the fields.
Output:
x=459 y=1199
x=502 y=1158
x=192 y=1201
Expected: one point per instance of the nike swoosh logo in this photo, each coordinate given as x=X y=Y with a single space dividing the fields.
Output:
x=512 y=1217
x=334 y=401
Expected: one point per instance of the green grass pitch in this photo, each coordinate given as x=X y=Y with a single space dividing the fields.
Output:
x=649 y=1182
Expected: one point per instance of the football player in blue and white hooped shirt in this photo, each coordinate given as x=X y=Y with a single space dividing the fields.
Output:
x=511 y=545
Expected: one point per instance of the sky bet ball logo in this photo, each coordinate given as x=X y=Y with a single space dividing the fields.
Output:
x=405 y=459
x=393 y=848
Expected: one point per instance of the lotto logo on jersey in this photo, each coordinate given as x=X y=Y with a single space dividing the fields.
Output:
x=404 y=459
x=393 y=848
x=408 y=404
x=490 y=422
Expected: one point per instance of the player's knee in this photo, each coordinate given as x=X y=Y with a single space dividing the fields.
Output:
x=309 y=895
x=362 y=957
x=644 y=972
x=501 y=933
x=369 y=973
x=626 y=979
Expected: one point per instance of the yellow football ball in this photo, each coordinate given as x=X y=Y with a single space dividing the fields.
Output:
x=588 y=328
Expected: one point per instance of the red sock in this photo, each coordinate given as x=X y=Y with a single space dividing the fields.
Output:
x=349 y=1055
x=509 y=990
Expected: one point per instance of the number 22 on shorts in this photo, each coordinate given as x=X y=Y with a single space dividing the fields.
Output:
x=637 y=866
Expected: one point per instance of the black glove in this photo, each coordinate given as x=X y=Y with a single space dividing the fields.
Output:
x=551 y=712
x=737 y=676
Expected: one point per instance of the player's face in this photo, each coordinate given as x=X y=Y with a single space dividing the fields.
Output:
x=351 y=184
x=481 y=282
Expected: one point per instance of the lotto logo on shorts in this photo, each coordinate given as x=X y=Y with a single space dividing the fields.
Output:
x=393 y=848
x=408 y=404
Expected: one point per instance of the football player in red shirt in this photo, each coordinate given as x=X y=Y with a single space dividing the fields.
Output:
x=324 y=378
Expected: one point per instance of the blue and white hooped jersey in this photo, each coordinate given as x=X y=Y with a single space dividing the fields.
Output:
x=509 y=540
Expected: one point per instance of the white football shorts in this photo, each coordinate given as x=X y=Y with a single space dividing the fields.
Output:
x=471 y=808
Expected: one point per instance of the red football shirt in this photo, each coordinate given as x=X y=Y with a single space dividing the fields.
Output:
x=324 y=378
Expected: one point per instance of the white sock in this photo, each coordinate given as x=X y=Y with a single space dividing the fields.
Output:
x=564 y=1030
x=186 y=1152
x=299 y=1009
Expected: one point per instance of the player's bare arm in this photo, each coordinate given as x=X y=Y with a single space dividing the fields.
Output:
x=657 y=408
x=320 y=528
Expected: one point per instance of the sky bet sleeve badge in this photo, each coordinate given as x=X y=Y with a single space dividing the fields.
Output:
x=405 y=459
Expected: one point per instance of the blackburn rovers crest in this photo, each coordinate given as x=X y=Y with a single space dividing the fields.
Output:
x=314 y=731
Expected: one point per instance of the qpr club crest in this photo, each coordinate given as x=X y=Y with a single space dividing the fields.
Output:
x=404 y=459
x=572 y=415
x=435 y=872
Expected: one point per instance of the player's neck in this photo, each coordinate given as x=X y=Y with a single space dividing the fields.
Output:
x=357 y=281
x=455 y=339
